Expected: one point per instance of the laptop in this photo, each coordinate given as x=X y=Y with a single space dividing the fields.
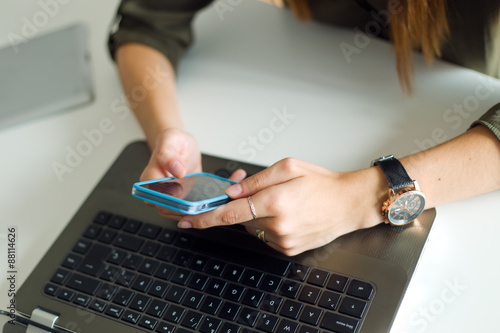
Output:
x=119 y=267
x=43 y=75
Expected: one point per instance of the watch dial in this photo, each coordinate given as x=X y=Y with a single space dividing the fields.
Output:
x=406 y=207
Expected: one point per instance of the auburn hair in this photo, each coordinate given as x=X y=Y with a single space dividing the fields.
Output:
x=415 y=25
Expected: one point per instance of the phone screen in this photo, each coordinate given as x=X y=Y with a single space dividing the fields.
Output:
x=194 y=188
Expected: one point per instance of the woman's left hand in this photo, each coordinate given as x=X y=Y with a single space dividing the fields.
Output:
x=300 y=206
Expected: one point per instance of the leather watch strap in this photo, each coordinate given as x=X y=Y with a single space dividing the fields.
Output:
x=394 y=172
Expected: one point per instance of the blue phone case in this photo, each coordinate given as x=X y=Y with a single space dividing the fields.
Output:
x=180 y=205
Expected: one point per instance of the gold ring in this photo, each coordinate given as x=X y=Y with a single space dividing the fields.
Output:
x=261 y=236
x=252 y=208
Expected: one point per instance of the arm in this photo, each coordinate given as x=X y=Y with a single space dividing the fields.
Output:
x=301 y=206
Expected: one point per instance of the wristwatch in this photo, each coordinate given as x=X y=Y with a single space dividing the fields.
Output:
x=405 y=201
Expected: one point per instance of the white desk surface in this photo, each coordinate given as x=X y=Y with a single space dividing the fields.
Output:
x=247 y=63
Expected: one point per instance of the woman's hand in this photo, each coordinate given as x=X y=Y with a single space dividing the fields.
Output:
x=300 y=206
x=176 y=154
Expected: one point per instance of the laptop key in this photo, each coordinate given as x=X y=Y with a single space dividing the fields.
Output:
x=215 y=267
x=83 y=284
x=93 y=261
x=174 y=314
x=290 y=289
x=71 y=261
x=117 y=222
x=157 y=308
x=251 y=278
x=66 y=295
x=360 y=289
x=352 y=307
x=311 y=315
x=150 y=249
x=248 y=317
x=337 y=283
x=102 y=217
x=241 y=256
x=181 y=276
x=82 y=246
x=148 y=266
x=165 y=328
x=116 y=256
x=128 y=242
x=267 y=323
x=142 y=283
x=51 y=289
x=107 y=236
x=308 y=329
x=123 y=297
x=164 y=271
x=110 y=273
x=233 y=273
x=270 y=283
x=252 y=298
x=309 y=294
x=167 y=236
x=210 y=325
x=158 y=289
x=229 y=311
x=132 y=226
x=211 y=305
x=198 y=282
x=126 y=278
x=298 y=271
x=199 y=262
x=229 y=328
x=287 y=326
x=60 y=276
x=149 y=231
x=215 y=287
x=184 y=241
x=107 y=292
x=140 y=303
x=329 y=300
x=132 y=261
x=193 y=299
x=175 y=294
x=166 y=253
x=92 y=232
x=148 y=323
x=192 y=319
x=318 y=277
x=234 y=292
x=291 y=309
x=131 y=317
x=338 y=323
x=98 y=305
x=271 y=303
x=114 y=311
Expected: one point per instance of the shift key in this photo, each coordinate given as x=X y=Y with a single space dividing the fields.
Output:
x=83 y=284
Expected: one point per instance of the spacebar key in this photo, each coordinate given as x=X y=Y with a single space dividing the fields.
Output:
x=242 y=256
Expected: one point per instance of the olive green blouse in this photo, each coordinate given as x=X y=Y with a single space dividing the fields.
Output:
x=474 y=40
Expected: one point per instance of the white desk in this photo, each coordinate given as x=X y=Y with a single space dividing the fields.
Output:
x=227 y=90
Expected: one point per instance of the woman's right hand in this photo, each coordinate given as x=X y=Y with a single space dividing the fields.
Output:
x=175 y=154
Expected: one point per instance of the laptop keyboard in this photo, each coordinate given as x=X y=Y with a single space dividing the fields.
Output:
x=165 y=281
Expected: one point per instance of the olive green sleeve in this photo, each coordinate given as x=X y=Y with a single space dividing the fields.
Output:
x=164 y=25
x=491 y=119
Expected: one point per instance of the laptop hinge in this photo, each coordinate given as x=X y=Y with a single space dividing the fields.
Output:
x=44 y=318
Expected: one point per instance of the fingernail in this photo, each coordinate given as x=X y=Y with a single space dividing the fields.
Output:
x=175 y=168
x=184 y=225
x=233 y=190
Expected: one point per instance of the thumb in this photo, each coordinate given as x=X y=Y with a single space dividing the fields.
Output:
x=172 y=164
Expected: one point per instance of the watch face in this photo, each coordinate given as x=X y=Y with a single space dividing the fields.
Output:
x=406 y=207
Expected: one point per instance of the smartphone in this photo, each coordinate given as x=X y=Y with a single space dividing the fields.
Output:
x=194 y=194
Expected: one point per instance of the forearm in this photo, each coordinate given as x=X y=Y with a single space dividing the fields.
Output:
x=463 y=167
x=148 y=81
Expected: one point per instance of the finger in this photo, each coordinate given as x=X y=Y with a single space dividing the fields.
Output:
x=234 y=212
x=277 y=173
x=168 y=213
x=238 y=175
